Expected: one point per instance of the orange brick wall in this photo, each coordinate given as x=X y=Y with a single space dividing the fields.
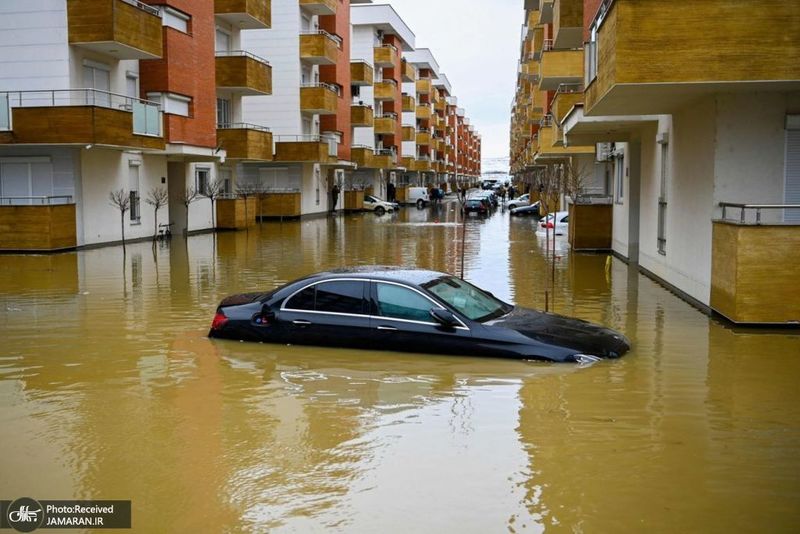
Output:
x=394 y=73
x=339 y=74
x=187 y=68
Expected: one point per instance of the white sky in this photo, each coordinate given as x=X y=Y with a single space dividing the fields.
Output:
x=476 y=43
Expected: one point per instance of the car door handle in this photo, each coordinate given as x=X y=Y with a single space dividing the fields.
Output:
x=300 y=322
x=387 y=328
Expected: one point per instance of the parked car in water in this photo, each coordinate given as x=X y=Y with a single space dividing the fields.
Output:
x=523 y=200
x=417 y=196
x=558 y=221
x=532 y=210
x=488 y=195
x=411 y=310
x=378 y=205
x=476 y=205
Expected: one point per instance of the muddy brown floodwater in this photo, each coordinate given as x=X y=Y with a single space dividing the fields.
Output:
x=109 y=389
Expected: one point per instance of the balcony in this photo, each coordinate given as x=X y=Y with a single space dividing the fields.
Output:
x=440 y=105
x=385 y=90
x=32 y=224
x=423 y=164
x=754 y=270
x=409 y=163
x=279 y=204
x=362 y=156
x=384 y=159
x=319 y=99
x=361 y=115
x=424 y=112
x=319 y=47
x=565 y=99
x=408 y=71
x=409 y=133
x=243 y=73
x=117 y=28
x=361 y=73
x=237 y=213
x=424 y=86
x=560 y=67
x=386 y=124
x=245 y=14
x=648 y=62
x=305 y=149
x=80 y=117
x=320 y=7
x=409 y=104
x=546 y=12
x=590 y=225
x=423 y=138
x=246 y=142
x=530 y=70
x=386 y=56
x=568 y=23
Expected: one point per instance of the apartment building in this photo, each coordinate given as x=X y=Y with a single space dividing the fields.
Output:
x=381 y=37
x=699 y=115
x=102 y=96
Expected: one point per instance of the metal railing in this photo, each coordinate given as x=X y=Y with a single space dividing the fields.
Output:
x=36 y=201
x=547 y=45
x=744 y=208
x=388 y=81
x=363 y=62
x=240 y=53
x=332 y=37
x=146 y=114
x=387 y=45
x=328 y=86
x=388 y=115
x=570 y=88
x=241 y=126
x=144 y=7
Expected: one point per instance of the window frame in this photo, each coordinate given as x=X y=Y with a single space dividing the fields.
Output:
x=364 y=297
x=374 y=294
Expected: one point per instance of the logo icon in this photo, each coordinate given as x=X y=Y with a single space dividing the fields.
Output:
x=25 y=515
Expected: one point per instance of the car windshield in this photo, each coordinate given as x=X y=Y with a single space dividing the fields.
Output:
x=473 y=303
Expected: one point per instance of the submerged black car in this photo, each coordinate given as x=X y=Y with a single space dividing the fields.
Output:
x=412 y=310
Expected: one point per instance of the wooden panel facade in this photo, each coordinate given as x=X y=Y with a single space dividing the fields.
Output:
x=713 y=41
x=246 y=143
x=424 y=86
x=754 y=273
x=385 y=125
x=385 y=91
x=424 y=111
x=37 y=228
x=246 y=14
x=321 y=7
x=361 y=116
x=132 y=32
x=280 y=205
x=409 y=103
x=409 y=133
x=236 y=213
x=408 y=72
x=563 y=103
x=319 y=49
x=590 y=226
x=559 y=67
x=80 y=125
x=318 y=100
x=244 y=74
x=423 y=138
x=361 y=73
x=353 y=200
x=362 y=156
x=303 y=151
x=568 y=23
x=385 y=56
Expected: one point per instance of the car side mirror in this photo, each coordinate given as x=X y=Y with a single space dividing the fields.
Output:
x=444 y=317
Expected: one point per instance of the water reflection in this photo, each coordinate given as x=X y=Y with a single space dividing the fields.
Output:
x=113 y=391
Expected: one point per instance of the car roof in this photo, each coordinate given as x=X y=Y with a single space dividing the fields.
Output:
x=409 y=275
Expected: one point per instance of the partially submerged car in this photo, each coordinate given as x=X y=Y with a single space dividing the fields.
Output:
x=410 y=310
x=534 y=210
x=378 y=205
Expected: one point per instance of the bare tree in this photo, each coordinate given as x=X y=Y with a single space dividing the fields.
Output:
x=189 y=195
x=213 y=190
x=121 y=200
x=158 y=197
x=247 y=191
x=576 y=174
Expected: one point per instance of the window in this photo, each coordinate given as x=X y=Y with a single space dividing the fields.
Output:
x=21 y=178
x=202 y=178
x=467 y=299
x=662 y=202
x=341 y=297
x=619 y=169
x=400 y=302
x=133 y=187
x=226 y=179
x=223 y=41
x=97 y=76
x=175 y=19
x=223 y=112
x=791 y=193
x=303 y=300
x=132 y=84
x=172 y=103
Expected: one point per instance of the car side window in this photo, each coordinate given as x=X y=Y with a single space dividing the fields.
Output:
x=399 y=302
x=303 y=300
x=346 y=296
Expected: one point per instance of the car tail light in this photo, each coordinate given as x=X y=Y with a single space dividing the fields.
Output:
x=219 y=321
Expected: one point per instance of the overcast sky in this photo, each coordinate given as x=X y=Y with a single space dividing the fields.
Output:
x=476 y=43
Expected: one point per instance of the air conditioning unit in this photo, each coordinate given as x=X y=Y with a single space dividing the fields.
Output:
x=604 y=151
x=379 y=33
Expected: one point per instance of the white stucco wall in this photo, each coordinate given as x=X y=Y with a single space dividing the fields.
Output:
x=362 y=47
x=619 y=241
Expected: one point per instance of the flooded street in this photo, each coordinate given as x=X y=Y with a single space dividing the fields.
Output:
x=109 y=389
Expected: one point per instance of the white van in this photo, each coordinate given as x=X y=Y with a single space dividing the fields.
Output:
x=418 y=196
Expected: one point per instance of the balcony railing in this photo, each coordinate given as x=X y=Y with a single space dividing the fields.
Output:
x=333 y=146
x=320 y=7
x=243 y=72
x=320 y=47
x=792 y=210
x=36 y=201
x=361 y=72
x=319 y=98
x=147 y=117
x=246 y=141
x=123 y=29
x=245 y=14
x=385 y=55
